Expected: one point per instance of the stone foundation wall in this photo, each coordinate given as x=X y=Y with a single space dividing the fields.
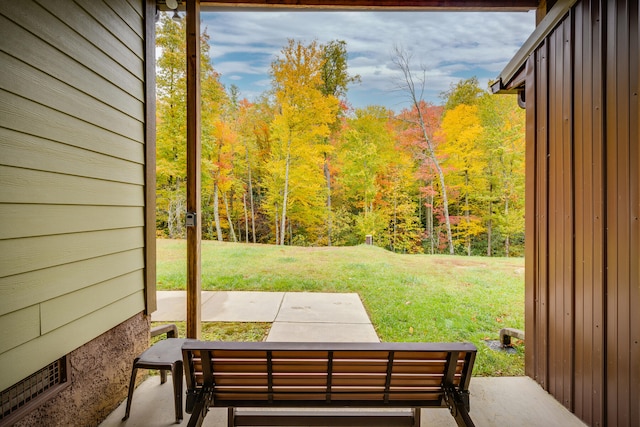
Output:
x=100 y=372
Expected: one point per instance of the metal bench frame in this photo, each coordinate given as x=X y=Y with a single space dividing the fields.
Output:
x=327 y=375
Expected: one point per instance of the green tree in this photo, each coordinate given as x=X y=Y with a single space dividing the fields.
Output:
x=335 y=81
x=503 y=140
x=365 y=150
x=171 y=122
x=377 y=181
x=467 y=92
x=171 y=130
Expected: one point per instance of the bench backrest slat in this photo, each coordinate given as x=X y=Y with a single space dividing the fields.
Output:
x=249 y=374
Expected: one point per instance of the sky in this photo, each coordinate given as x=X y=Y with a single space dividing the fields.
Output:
x=450 y=46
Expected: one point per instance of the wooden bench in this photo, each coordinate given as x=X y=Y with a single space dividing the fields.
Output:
x=327 y=375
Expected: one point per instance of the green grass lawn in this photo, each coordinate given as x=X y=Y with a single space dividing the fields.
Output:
x=408 y=297
x=223 y=331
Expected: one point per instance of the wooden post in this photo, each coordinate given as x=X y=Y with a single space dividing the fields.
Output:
x=194 y=149
x=150 y=158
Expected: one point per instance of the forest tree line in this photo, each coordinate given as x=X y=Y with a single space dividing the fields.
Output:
x=299 y=166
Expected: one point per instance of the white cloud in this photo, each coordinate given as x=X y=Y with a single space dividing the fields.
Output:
x=450 y=45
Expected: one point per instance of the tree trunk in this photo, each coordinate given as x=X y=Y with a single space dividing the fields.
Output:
x=445 y=199
x=490 y=222
x=467 y=213
x=489 y=232
x=507 y=242
x=174 y=218
x=216 y=210
x=327 y=174
x=430 y=224
x=253 y=214
x=401 y=60
x=246 y=218
x=285 y=196
x=395 y=221
x=226 y=206
x=277 y=226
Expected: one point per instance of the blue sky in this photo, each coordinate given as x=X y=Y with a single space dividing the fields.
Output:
x=451 y=46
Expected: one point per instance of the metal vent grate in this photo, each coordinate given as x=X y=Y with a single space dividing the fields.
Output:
x=20 y=394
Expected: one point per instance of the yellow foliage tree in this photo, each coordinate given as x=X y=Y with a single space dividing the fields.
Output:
x=462 y=129
x=299 y=131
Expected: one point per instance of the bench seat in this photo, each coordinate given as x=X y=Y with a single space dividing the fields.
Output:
x=327 y=375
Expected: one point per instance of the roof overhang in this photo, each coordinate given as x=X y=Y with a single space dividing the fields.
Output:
x=511 y=79
x=390 y=5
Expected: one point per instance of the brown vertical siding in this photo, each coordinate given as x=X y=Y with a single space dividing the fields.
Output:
x=618 y=219
x=589 y=369
x=542 y=192
x=531 y=244
x=583 y=297
x=560 y=215
x=634 y=213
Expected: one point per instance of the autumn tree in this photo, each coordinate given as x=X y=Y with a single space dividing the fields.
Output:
x=171 y=122
x=253 y=133
x=462 y=129
x=425 y=172
x=299 y=131
x=171 y=131
x=414 y=87
x=335 y=81
x=503 y=142
x=364 y=153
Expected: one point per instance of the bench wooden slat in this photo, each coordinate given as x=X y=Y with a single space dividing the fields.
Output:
x=335 y=347
x=421 y=355
x=319 y=375
x=416 y=382
x=297 y=417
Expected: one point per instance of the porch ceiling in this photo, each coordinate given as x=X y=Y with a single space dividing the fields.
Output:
x=439 y=5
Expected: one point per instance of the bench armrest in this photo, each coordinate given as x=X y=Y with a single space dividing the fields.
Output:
x=170 y=329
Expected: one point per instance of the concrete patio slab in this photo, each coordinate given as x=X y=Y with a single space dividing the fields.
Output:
x=508 y=401
x=172 y=305
x=242 y=306
x=322 y=317
x=322 y=307
x=152 y=406
x=309 y=317
x=322 y=332
x=505 y=401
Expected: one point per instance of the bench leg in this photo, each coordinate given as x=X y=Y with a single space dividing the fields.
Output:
x=231 y=417
x=416 y=417
x=176 y=376
x=463 y=419
x=459 y=407
x=200 y=408
x=197 y=417
x=132 y=384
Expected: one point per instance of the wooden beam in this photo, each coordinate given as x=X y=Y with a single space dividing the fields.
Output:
x=150 y=158
x=440 y=5
x=194 y=150
x=543 y=8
